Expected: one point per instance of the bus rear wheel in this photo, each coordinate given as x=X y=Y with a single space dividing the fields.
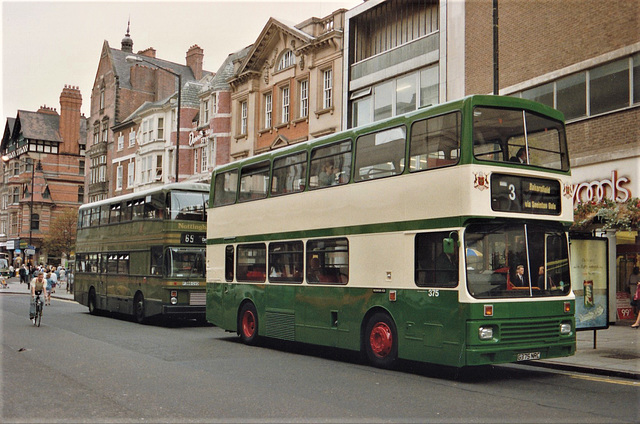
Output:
x=248 y=324
x=93 y=310
x=138 y=308
x=381 y=340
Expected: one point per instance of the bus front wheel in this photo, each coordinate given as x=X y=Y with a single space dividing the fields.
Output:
x=248 y=324
x=381 y=340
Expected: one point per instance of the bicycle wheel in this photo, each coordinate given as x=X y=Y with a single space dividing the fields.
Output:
x=38 y=314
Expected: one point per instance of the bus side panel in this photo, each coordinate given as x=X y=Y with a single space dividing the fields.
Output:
x=224 y=301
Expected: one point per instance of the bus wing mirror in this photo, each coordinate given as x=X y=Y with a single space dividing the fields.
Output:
x=450 y=243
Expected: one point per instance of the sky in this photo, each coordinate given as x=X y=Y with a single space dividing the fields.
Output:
x=49 y=44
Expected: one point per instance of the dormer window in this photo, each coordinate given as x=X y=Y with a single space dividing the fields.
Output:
x=286 y=60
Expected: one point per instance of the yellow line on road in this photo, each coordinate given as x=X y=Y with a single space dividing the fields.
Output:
x=606 y=380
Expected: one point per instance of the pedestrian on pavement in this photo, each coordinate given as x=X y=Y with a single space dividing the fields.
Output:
x=634 y=292
x=49 y=288
x=23 y=275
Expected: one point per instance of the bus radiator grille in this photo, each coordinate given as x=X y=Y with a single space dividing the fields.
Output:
x=530 y=331
x=280 y=325
x=198 y=298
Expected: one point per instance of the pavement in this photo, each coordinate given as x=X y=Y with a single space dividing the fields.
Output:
x=614 y=351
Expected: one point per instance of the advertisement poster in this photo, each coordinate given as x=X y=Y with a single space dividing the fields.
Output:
x=589 y=276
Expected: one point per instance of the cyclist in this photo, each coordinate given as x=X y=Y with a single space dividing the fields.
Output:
x=38 y=285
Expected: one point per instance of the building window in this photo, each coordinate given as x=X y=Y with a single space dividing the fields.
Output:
x=406 y=94
x=119 y=175
x=81 y=167
x=286 y=60
x=383 y=101
x=195 y=161
x=392 y=24
x=35 y=221
x=243 y=117
x=205 y=112
x=105 y=131
x=609 y=87
x=214 y=104
x=81 y=193
x=327 y=90
x=304 y=98
x=96 y=134
x=284 y=94
x=268 y=108
x=132 y=138
x=15 y=195
x=120 y=142
x=604 y=88
x=205 y=159
x=130 y=174
x=160 y=130
x=102 y=99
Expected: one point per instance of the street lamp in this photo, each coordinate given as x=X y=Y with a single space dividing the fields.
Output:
x=6 y=159
x=138 y=59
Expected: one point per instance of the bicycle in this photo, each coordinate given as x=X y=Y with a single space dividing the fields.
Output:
x=38 y=314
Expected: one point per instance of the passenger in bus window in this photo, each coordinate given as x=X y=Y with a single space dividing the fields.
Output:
x=519 y=280
x=541 y=285
x=520 y=157
x=446 y=268
x=327 y=175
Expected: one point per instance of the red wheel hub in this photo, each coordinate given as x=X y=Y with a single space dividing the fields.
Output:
x=381 y=339
x=248 y=324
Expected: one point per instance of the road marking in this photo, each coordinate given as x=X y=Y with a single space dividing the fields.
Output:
x=605 y=380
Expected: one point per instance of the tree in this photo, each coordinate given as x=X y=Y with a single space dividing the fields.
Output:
x=61 y=239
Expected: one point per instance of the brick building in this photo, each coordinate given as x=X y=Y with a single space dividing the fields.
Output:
x=210 y=139
x=43 y=174
x=120 y=88
x=581 y=57
x=284 y=90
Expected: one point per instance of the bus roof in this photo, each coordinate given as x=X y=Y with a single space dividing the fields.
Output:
x=183 y=186
x=462 y=103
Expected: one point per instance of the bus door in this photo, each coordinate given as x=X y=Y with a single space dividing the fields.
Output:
x=327 y=268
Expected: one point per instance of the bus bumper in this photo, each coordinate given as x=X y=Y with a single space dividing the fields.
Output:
x=184 y=311
x=497 y=355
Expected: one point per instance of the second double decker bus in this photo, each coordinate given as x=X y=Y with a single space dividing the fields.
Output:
x=436 y=236
x=143 y=253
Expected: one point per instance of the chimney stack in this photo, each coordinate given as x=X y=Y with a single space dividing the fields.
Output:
x=70 y=104
x=195 y=58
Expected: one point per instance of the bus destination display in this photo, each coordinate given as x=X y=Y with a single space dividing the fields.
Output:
x=525 y=194
x=193 y=238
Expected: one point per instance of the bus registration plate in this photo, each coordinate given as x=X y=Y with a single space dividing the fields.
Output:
x=528 y=356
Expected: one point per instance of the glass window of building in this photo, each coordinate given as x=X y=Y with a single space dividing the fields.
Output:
x=609 y=87
x=406 y=94
x=429 y=81
x=572 y=98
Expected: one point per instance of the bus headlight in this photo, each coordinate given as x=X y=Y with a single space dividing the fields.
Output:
x=174 y=300
x=565 y=328
x=485 y=333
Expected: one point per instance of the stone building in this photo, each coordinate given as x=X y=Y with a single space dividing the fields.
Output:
x=284 y=90
x=43 y=174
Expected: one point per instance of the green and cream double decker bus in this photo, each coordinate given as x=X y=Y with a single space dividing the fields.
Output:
x=143 y=253
x=436 y=236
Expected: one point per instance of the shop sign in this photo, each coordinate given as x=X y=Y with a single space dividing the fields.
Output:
x=614 y=188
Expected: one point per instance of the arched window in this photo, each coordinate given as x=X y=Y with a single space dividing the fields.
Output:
x=286 y=60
